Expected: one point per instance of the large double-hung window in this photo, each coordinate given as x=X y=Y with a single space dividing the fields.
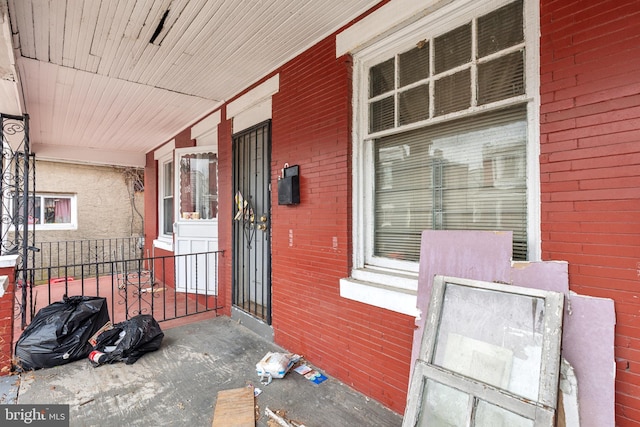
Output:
x=443 y=119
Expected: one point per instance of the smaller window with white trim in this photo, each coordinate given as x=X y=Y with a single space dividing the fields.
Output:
x=53 y=212
x=165 y=206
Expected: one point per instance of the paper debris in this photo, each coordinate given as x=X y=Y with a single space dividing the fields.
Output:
x=311 y=374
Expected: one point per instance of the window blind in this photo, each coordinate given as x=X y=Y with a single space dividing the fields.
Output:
x=465 y=174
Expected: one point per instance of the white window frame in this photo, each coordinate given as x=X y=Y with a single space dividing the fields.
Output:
x=72 y=225
x=541 y=408
x=393 y=284
x=164 y=240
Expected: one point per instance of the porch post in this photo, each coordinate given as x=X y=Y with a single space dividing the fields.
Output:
x=7 y=313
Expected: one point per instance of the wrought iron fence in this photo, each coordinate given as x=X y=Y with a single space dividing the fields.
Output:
x=167 y=287
x=17 y=183
x=71 y=258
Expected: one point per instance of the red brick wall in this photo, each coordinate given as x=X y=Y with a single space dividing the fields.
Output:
x=7 y=304
x=590 y=164
x=183 y=139
x=150 y=203
x=225 y=212
x=365 y=347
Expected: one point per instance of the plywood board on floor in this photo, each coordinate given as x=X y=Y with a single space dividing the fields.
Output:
x=234 y=408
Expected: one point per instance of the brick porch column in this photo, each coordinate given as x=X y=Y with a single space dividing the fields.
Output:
x=7 y=306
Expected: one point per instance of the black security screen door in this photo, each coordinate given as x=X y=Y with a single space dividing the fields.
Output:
x=251 y=221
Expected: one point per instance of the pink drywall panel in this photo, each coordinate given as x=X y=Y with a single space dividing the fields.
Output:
x=587 y=343
x=479 y=255
x=544 y=275
x=588 y=328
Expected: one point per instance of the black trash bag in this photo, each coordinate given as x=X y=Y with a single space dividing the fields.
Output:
x=132 y=339
x=59 y=333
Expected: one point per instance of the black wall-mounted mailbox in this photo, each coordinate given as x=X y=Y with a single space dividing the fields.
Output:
x=289 y=186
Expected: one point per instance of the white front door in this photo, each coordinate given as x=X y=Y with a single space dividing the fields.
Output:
x=196 y=219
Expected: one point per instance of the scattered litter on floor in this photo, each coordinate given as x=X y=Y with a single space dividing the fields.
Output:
x=235 y=407
x=275 y=365
x=278 y=418
x=311 y=374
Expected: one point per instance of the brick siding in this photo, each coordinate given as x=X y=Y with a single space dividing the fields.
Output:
x=363 y=346
x=590 y=164
x=590 y=199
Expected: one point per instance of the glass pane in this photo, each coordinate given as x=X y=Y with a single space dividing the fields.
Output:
x=500 y=29
x=465 y=174
x=501 y=78
x=381 y=114
x=452 y=49
x=403 y=199
x=167 y=221
x=168 y=179
x=443 y=406
x=57 y=210
x=495 y=416
x=493 y=337
x=381 y=78
x=414 y=64
x=453 y=93
x=35 y=211
x=198 y=189
x=413 y=105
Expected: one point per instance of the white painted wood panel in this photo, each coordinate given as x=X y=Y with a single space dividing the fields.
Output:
x=91 y=78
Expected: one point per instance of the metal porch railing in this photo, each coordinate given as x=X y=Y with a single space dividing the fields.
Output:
x=167 y=287
x=61 y=255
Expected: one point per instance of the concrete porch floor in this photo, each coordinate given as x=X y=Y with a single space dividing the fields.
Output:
x=178 y=384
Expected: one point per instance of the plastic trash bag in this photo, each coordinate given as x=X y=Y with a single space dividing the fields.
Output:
x=128 y=341
x=59 y=333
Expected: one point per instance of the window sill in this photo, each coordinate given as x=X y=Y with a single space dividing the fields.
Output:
x=164 y=244
x=395 y=291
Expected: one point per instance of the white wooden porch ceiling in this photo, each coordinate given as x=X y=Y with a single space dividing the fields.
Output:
x=97 y=88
